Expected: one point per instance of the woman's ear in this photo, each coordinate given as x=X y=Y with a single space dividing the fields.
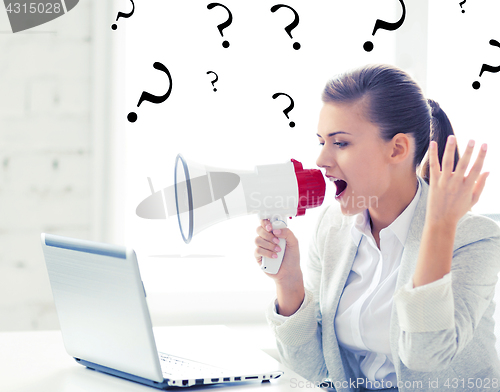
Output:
x=400 y=147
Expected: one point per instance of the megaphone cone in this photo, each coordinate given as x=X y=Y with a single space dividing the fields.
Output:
x=153 y=206
x=161 y=204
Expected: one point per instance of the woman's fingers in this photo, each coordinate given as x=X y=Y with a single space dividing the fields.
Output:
x=452 y=194
x=462 y=165
x=269 y=237
x=434 y=167
x=259 y=253
x=267 y=242
x=449 y=155
x=268 y=245
x=456 y=188
x=464 y=160
x=475 y=171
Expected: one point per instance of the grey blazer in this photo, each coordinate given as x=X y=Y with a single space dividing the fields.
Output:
x=455 y=354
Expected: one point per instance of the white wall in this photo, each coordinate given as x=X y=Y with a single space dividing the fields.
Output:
x=48 y=153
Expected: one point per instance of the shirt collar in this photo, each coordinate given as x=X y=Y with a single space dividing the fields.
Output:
x=399 y=227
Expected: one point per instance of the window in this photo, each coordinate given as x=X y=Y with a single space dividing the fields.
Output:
x=458 y=47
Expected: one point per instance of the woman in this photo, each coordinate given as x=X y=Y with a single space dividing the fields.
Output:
x=398 y=286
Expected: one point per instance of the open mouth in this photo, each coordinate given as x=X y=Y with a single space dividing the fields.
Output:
x=341 y=185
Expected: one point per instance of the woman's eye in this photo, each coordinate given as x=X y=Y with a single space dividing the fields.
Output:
x=339 y=144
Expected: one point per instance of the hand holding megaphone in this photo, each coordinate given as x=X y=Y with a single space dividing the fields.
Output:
x=267 y=242
x=206 y=195
x=269 y=264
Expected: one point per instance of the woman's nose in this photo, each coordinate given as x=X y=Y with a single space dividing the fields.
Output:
x=324 y=159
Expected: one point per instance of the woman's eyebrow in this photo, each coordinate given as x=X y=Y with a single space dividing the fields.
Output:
x=334 y=133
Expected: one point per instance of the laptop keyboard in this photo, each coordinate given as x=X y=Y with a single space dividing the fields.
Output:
x=178 y=367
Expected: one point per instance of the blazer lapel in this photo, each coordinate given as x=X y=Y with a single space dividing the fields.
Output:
x=408 y=264
x=334 y=280
x=412 y=244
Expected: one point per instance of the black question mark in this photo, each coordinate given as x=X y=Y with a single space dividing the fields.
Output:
x=124 y=15
x=486 y=67
x=288 y=109
x=213 y=81
x=292 y=25
x=222 y=26
x=145 y=96
x=380 y=24
x=463 y=2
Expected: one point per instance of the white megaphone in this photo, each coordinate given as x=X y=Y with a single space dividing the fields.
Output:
x=207 y=195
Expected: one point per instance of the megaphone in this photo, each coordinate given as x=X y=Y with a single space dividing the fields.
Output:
x=207 y=195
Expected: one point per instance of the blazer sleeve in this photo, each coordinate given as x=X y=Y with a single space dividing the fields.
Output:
x=299 y=337
x=439 y=319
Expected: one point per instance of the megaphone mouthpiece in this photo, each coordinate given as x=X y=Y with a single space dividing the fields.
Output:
x=312 y=187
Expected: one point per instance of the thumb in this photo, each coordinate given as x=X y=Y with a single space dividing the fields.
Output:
x=478 y=187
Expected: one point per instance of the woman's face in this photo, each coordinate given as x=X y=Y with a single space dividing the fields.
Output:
x=354 y=154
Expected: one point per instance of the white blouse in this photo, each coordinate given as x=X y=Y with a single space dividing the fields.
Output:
x=362 y=321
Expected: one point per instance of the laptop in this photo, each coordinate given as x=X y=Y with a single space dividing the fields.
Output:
x=106 y=326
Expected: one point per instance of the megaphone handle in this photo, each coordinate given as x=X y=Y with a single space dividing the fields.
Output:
x=270 y=265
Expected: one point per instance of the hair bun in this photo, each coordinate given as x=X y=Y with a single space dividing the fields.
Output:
x=435 y=108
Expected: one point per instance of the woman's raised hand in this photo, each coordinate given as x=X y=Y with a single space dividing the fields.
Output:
x=267 y=246
x=452 y=193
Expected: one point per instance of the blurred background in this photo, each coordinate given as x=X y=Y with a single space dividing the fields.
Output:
x=72 y=164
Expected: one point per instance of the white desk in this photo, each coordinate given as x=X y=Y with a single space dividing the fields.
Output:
x=38 y=362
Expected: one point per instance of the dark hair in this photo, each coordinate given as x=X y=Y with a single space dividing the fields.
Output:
x=394 y=102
